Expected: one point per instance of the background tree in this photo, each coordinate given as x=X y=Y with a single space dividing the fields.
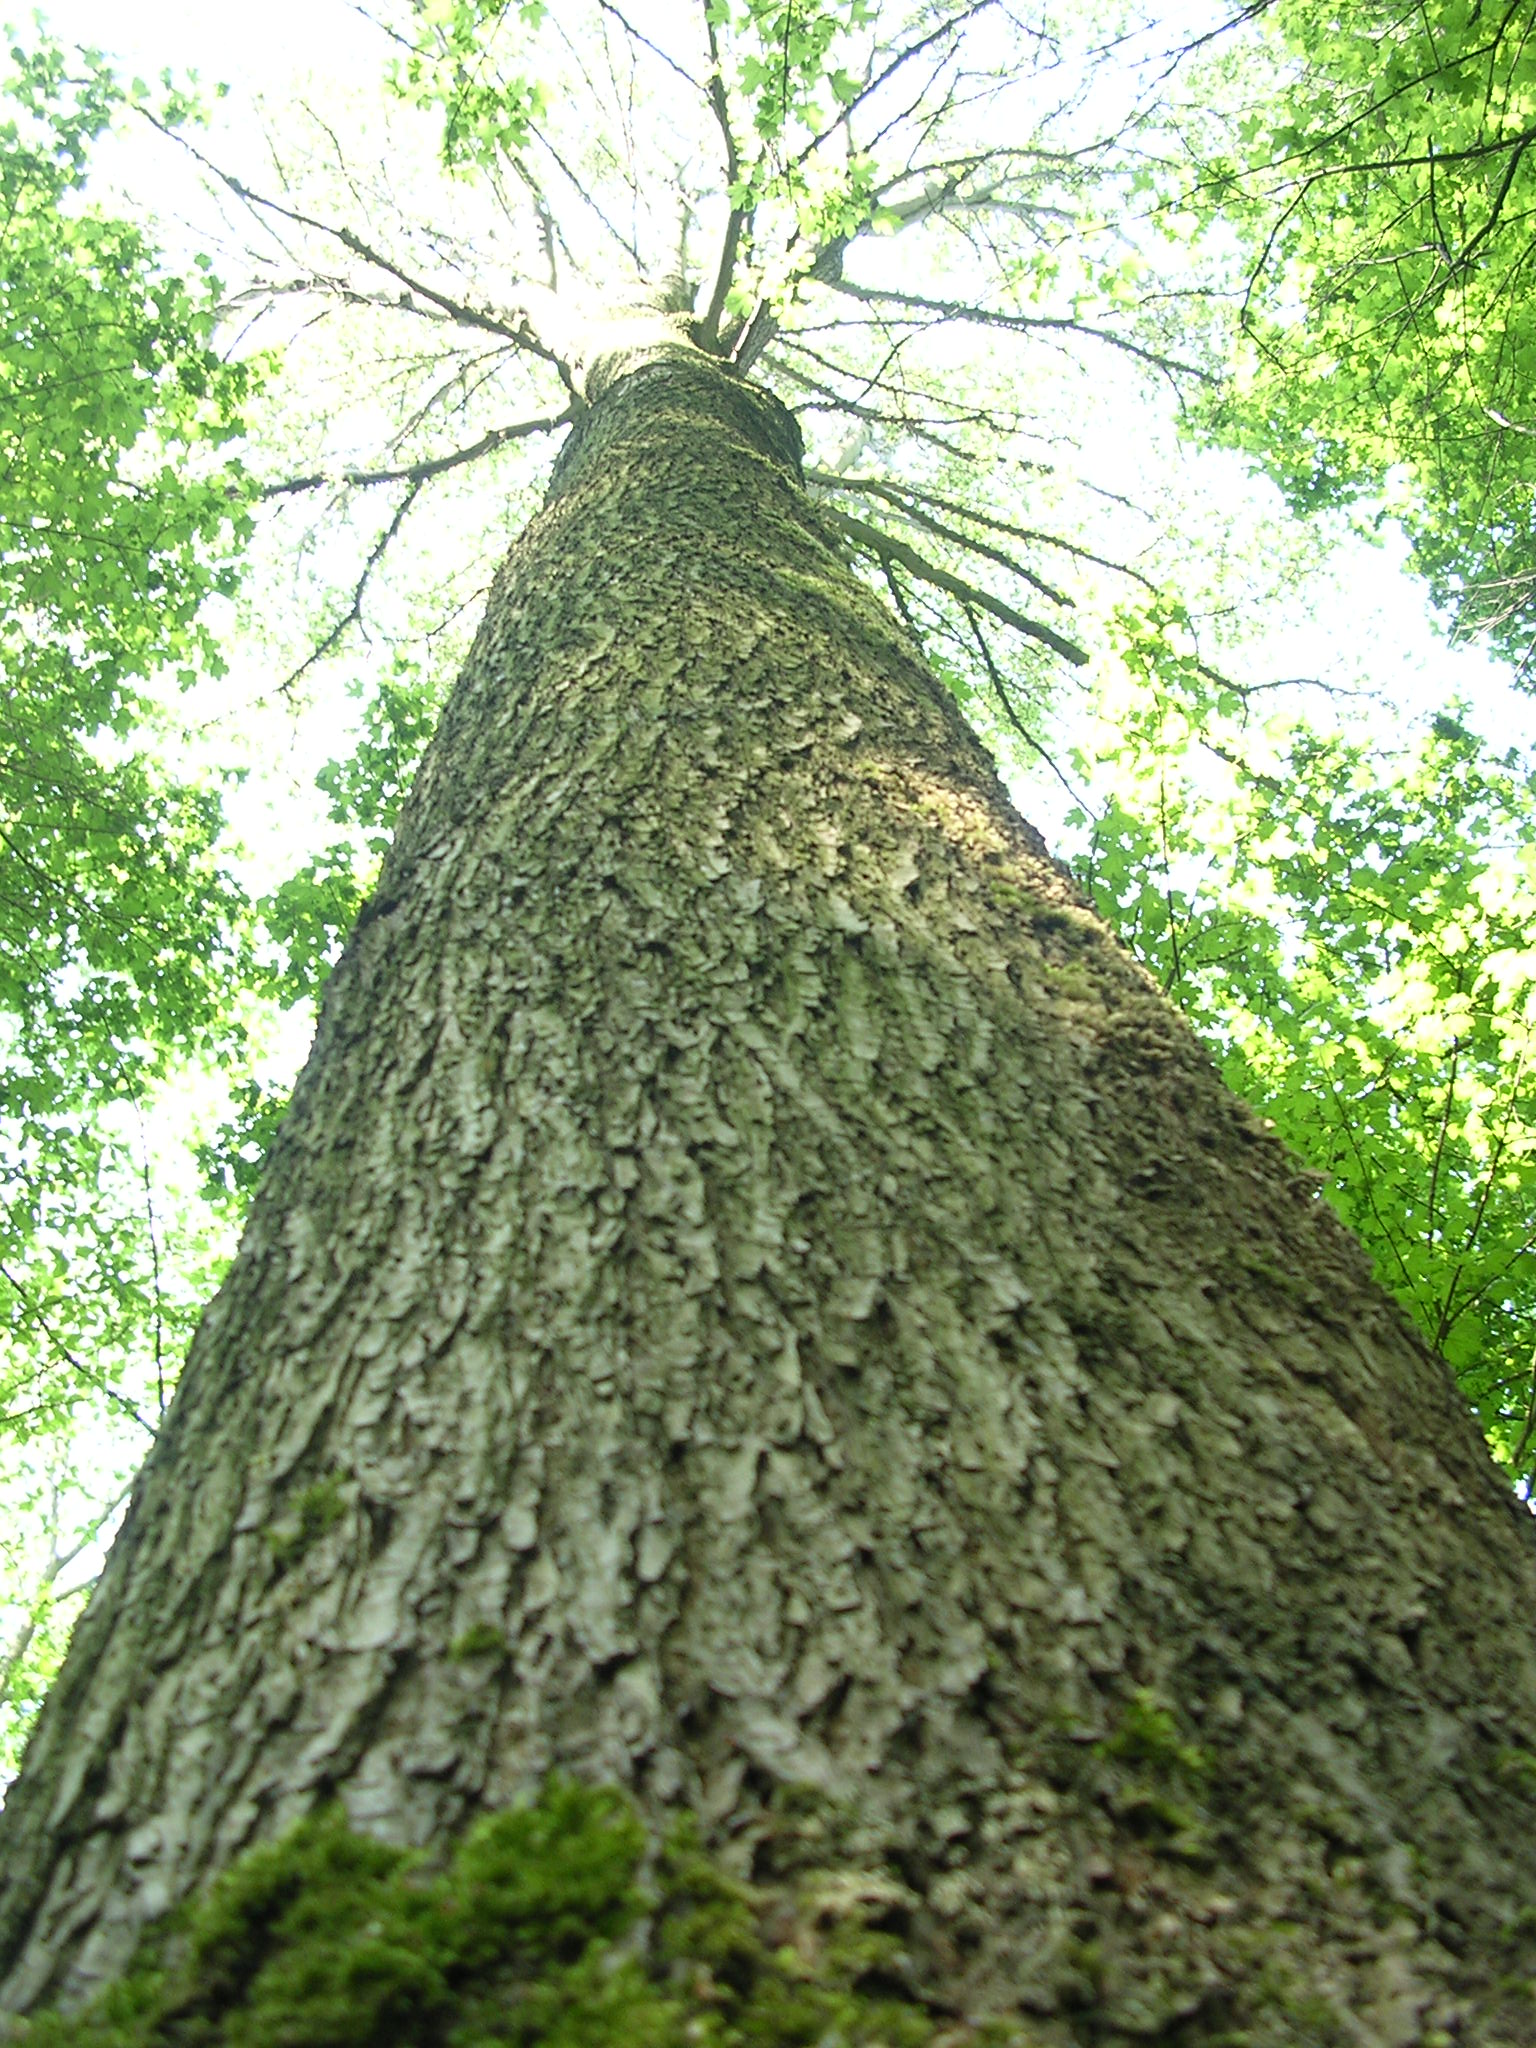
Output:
x=1379 y=169
x=120 y=935
x=1348 y=922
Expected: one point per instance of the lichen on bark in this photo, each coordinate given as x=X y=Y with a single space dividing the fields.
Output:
x=774 y=1306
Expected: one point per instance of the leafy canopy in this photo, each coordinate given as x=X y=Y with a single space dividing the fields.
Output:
x=1349 y=924
x=1380 y=173
x=113 y=918
x=120 y=932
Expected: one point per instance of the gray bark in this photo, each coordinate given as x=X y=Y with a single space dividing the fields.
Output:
x=747 y=1243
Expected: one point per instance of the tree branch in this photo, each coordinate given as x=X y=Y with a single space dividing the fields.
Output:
x=926 y=520
x=420 y=472
x=832 y=400
x=519 y=328
x=872 y=85
x=735 y=226
x=995 y=525
x=870 y=540
x=89 y=1374
x=1021 y=323
x=354 y=612
x=1005 y=698
x=44 y=1596
x=635 y=36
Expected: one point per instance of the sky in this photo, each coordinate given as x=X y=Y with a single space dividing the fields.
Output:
x=252 y=49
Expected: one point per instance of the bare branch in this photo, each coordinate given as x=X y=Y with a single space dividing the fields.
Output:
x=518 y=328
x=926 y=520
x=635 y=36
x=881 y=488
x=902 y=58
x=1518 y=1453
x=1005 y=699
x=420 y=472
x=154 y=1255
x=827 y=399
x=736 y=223
x=870 y=540
x=549 y=228
x=581 y=188
x=354 y=612
x=257 y=297
x=1021 y=323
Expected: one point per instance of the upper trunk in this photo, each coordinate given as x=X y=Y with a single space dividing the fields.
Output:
x=751 y=1260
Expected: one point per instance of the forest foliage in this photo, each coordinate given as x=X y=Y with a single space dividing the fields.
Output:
x=1297 y=234
x=1387 y=322
x=121 y=513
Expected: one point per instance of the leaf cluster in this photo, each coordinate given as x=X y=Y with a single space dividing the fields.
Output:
x=1351 y=925
x=454 y=61
x=114 y=916
x=1376 y=163
x=122 y=942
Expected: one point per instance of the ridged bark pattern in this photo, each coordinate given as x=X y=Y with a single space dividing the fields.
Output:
x=755 y=1291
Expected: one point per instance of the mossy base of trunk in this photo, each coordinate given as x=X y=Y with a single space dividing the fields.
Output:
x=557 y=1923
x=560 y=1924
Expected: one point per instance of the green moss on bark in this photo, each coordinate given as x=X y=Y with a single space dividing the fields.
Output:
x=310 y=1514
x=551 y=1924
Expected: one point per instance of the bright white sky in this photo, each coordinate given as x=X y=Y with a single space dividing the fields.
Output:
x=251 y=50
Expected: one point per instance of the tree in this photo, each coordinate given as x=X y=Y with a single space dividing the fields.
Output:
x=758 y=1301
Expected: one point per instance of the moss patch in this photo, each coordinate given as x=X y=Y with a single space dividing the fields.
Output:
x=546 y=1926
x=1517 y=1767
x=1149 y=1734
x=480 y=1639
x=1153 y=1776
x=311 y=1512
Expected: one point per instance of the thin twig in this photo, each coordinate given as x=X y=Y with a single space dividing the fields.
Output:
x=518 y=329
x=420 y=472
x=1020 y=323
x=880 y=488
x=44 y=1597
x=154 y=1257
x=89 y=1374
x=1005 y=698
x=354 y=612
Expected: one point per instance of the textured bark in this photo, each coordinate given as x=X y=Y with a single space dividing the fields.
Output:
x=752 y=1268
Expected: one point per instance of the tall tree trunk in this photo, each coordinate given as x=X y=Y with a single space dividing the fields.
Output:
x=752 y=1268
